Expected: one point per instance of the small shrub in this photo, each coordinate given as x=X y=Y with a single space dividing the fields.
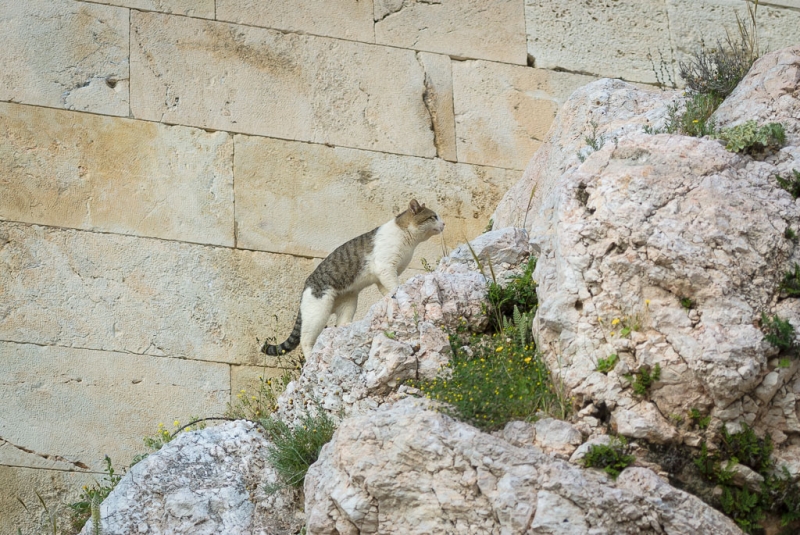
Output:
x=749 y=138
x=790 y=234
x=642 y=380
x=88 y=506
x=791 y=282
x=743 y=506
x=696 y=118
x=261 y=404
x=778 y=332
x=295 y=448
x=612 y=458
x=607 y=364
x=792 y=185
x=687 y=303
x=748 y=449
x=520 y=292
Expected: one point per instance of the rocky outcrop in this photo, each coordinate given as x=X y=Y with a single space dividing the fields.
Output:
x=203 y=482
x=648 y=221
x=407 y=469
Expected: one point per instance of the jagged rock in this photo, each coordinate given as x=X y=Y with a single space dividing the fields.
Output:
x=744 y=476
x=203 y=482
x=648 y=220
x=407 y=469
x=556 y=437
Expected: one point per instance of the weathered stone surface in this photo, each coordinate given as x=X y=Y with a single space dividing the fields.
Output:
x=140 y=295
x=203 y=482
x=556 y=437
x=65 y=54
x=101 y=403
x=504 y=111
x=406 y=469
x=191 y=8
x=598 y=38
x=351 y=192
x=57 y=488
x=438 y=99
x=115 y=175
x=476 y=29
x=769 y=93
x=616 y=107
x=345 y=19
x=693 y=22
x=284 y=85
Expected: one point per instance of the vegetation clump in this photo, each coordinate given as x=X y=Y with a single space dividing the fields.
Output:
x=612 y=458
x=778 y=332
x=88 y=506
x=607 y=364
x=750 y=138
x=790 y=184
x=791 y=282
x=497 y=376
x=642 y=380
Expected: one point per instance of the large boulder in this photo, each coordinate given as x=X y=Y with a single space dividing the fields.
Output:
x=665 y=250
x=407 y=469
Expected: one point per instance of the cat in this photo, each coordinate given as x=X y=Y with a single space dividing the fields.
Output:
x=376 y=257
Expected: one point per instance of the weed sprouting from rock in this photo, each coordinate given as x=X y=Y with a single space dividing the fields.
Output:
x=612 y=458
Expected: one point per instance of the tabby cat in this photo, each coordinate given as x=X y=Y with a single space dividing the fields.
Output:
x=377 y=257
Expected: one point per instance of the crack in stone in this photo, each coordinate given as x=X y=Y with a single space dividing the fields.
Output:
x=46 y=456
x=429 y=100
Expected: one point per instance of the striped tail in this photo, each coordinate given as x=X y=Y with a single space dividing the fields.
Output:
x=292 y=342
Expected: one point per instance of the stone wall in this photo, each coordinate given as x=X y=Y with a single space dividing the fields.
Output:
x=171 y=171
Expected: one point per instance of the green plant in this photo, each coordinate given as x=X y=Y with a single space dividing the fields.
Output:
x=162 y=435
x=295 y=448
x=612 y=458
x=687 y=303
x=642 y=380
x=607 y=364
x=783 y=362
x=790 y=234
x=520 y=292
x=261 y=403
x=699 y=420
x=792 y=185
x=695 y=119
x=426 y=265
x=778 y=332
x=743 y=506
x=748 y=449
x=791 y=282
x=749 y=138
x=594 y=142
x=88 y=506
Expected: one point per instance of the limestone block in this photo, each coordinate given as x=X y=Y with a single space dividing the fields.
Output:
x=57 y=488
x=596 y=37
x=116 y=175
x=191 y=8
x=65 y=54
x=306 y=199
x=438 y=99
x=345 y=19
x=142 y=296
x=504 y=111
x=69 y=407
x=692 y=22
x=265 y=82
x=480 y=29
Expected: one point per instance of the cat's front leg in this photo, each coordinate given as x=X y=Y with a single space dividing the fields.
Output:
x=388 y=281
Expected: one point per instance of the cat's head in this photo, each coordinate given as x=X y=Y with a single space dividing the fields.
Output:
x=420 y=221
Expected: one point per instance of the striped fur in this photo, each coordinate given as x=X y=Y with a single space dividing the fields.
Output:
x=376 y=257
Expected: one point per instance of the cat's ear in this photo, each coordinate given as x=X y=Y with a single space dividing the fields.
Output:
x=415 y=207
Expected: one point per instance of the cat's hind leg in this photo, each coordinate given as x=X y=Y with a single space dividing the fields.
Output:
x=345 y=308
x=316 y=312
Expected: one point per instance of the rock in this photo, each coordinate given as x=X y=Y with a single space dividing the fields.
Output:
x=583 y=449
x=407 y=469
x=557 y=437
x=519 y=434
x=744 y=476
x=202 y=482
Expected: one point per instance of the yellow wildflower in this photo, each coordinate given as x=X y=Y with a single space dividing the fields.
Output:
x=615 y=321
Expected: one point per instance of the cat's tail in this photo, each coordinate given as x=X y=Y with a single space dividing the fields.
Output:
x=292 y=342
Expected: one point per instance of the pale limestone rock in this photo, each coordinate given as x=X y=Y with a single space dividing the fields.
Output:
x=504 y=111
x=769 y=93
x=693 y=22
x=119 y=397
x=478 y=29
x=426 y=473
x=143 y=296
x=556 y=437
x=617 y=108
x=84 y=171
x=285 y=85
x=594 y=38
x=744 y=476
x=191 y=8
x=643 y=421
x=581 y=451
x=519 y=434
x=202 y=482
x=503 y=249
x=56 y=487
x=353 y=191
x=65 y=54
x=345 y=19
x=438 y=98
